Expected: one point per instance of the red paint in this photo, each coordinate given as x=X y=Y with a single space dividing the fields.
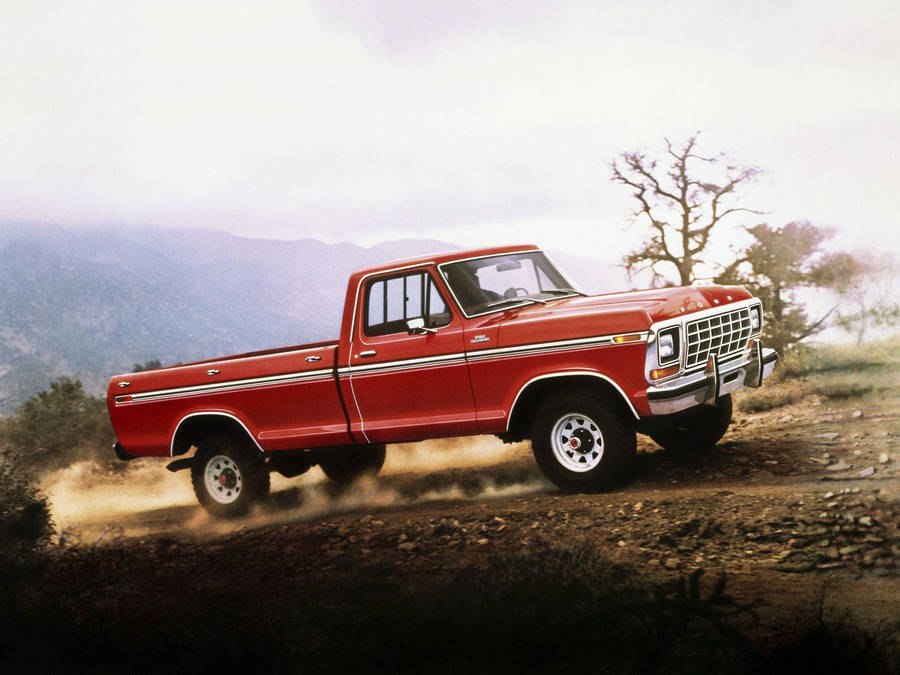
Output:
x=463 y=395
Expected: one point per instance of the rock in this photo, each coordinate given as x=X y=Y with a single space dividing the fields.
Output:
x=672 y=563
x=402 y=537
x=483 y=541
x=832 y=553
x=866 y=521
x=830 y=436
x=838 y=466
x=786 y=418
x=847 y=550
x=638 y=506
x=621 y=543
x=868 y=471
x=883 y=458
x=406 y=546
x=653 y=562
x=857 y=414
x=828 y=495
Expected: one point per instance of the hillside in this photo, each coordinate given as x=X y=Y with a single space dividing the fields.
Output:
x=90 y=303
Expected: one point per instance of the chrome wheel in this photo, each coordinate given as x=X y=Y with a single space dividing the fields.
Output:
x=577 y=442
x=222 y=479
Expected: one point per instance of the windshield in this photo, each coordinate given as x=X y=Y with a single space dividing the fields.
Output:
x=503 y=281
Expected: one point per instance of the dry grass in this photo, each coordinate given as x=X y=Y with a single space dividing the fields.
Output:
x=771 y=396
x=832 y=371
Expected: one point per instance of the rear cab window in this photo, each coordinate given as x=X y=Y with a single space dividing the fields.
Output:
x=392 y=301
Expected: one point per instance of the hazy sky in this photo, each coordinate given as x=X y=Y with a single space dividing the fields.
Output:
x=471 y=121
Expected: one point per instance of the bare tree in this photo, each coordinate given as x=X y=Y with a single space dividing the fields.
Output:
x=682 y=198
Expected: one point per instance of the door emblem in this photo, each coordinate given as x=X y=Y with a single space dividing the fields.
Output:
x=480 y=338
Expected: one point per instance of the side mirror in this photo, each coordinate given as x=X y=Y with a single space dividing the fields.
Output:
x=417 y=327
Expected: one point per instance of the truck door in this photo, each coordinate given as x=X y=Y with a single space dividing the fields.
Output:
x=407 y=385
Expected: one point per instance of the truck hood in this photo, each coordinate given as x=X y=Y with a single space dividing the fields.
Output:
x=609 y=314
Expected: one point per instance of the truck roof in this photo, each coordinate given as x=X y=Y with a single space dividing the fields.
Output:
x=445 y=256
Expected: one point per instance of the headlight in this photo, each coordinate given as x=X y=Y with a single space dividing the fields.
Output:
x=668 y=346
x=755 y=318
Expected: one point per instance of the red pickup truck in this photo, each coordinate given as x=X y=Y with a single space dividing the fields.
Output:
x=492 y=341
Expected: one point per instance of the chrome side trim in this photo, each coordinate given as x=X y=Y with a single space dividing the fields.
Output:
x=445 y=360
x=569 y=373
x=228 y=385
x=210 y=413
x=499 y=352
x=556 y=346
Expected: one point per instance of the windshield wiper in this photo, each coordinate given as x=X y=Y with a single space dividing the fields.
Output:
x=527 y=298
x=565 y=291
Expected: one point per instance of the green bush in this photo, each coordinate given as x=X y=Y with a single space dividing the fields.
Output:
x=803 y=360
x=60 y=426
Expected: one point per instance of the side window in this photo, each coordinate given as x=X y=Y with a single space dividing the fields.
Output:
x=391 y=302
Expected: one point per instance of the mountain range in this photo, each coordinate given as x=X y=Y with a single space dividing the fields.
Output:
x=93 y=302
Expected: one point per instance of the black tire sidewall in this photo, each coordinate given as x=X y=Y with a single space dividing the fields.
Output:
x=254 y=476
x=619 y=442
x=699 y=430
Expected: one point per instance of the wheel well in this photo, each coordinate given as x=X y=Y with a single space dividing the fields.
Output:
x=192 y=429
x=539 y=391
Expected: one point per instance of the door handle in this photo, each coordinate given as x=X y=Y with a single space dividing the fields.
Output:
x=212 y=371
x=367 y=354
x=311 y=359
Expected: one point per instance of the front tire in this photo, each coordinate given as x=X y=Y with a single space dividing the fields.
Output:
x=228 y=477
x=581 y=442
x=696 y=429
x=345 y=464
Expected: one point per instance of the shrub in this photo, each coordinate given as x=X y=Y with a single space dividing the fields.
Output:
x=25 y=526
x=60 y=426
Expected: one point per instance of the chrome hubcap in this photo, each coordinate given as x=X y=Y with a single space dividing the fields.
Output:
x=223 y=479
x=577 y=442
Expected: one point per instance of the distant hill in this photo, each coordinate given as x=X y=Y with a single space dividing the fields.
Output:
x=91 y=303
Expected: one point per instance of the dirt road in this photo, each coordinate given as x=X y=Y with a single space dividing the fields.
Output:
x=797 y=508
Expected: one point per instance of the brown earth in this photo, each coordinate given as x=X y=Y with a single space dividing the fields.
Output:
x=796 y=509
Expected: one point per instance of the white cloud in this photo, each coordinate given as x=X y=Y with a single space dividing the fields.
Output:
x=463 y=121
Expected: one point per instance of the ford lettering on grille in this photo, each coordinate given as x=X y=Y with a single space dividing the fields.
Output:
x=721 y=334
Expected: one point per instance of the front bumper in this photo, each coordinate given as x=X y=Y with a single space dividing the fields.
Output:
x=717 y=379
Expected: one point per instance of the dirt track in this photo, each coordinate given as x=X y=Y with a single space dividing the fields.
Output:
x=786 y=507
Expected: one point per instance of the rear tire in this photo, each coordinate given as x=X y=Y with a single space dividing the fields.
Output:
x=228 y=476
x=345 y=464
x=581 y=442
x=696 y=429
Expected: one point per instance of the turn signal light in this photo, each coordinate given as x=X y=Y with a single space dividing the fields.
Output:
x=619 y=339
x=660 y=373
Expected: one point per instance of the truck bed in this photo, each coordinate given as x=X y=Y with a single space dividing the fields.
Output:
x=289 y=394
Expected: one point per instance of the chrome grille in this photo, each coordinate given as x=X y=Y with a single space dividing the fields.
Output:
x=720 y=334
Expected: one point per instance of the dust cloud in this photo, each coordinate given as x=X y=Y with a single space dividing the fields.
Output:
x=92 y=504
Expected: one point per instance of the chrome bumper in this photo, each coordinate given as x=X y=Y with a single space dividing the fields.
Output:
x=716 y=380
